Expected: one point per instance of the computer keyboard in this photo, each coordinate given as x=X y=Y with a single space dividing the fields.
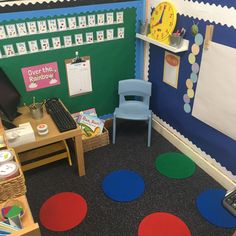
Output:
x=60 y=115
x=229 y=202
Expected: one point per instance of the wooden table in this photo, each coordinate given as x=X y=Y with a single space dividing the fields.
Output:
x=53 y=136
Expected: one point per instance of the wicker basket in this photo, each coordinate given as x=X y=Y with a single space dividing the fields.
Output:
x=97 y=141
x=13 y=187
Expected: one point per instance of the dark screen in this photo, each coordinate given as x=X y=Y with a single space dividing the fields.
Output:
x=9 y=97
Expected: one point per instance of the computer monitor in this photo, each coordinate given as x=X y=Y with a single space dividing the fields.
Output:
x=9 y=97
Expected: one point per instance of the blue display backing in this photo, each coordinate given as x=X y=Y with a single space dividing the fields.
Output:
x=228 y=3
x=167 y=102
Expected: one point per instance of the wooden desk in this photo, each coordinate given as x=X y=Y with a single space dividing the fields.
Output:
x=53 y=136
x=29 y=227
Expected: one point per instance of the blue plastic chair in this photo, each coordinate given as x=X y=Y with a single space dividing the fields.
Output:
x=134 y=100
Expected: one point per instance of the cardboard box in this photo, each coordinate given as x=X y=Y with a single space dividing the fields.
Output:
x=20 y=135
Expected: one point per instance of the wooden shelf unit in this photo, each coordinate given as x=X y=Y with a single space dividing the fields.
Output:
x=183 y=48
x=30 y=228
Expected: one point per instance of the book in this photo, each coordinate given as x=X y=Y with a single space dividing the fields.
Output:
x=91 y=125
x=88 y=121
x=90 y=111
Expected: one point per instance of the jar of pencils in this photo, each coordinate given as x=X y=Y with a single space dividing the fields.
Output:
x=36 y=109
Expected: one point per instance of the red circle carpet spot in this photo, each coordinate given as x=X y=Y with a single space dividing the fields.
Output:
x=63 y=211
x=162 y=224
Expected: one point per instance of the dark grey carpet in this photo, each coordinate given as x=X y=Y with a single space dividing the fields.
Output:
x=108 y=218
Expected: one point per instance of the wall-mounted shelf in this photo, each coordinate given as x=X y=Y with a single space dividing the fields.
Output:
x=183 y=48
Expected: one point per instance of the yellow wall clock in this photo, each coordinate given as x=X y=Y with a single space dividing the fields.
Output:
x=163 y=22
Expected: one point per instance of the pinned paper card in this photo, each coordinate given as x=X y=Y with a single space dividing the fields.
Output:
x=216 y=80
x=78 y=39
x=56 y=42
x=9 y=50
x=52 y=25
x=171 y=69
x=119 y=17
x=121 y=32
x=110 y=34
x=109 y=18
x=11 y=30
x=91 y=20
x=100 y=35
x=44 y=44
x=61 y=23
x=32 y=28
x=21 y=48
x=42 y=26
x=89 y=37
x=72 y=22
x=191 y=58
x=2 y=32
x=33 y=46
x=67 y=41
x=82 y=21
x=79 y=76
x=100 y=19
x=21 y=29
x=41 y=76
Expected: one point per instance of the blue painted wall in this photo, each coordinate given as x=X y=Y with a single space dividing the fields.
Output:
x=167 y=102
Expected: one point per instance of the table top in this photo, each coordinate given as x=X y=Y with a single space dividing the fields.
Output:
x=53 y=135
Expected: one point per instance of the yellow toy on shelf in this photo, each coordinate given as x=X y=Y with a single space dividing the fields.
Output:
x=163 y=22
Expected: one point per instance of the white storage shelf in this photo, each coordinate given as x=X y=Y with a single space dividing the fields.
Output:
x=183 y=48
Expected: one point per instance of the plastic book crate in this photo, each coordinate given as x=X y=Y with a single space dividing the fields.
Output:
x=13 y=187
x=97 y=141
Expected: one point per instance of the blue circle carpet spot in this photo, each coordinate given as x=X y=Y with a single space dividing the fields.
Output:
x=123 y=185
x=209 y=204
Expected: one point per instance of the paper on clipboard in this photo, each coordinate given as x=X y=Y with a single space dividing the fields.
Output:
x=79 y=77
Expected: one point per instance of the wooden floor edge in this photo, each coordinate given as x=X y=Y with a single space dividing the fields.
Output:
x=205 y=165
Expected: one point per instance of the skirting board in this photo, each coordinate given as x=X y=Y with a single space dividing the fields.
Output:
x=204 y=164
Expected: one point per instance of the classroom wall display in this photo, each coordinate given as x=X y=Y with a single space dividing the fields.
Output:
x=111 y=60
x=70 y=24
x=41 y=76
x=215 y=144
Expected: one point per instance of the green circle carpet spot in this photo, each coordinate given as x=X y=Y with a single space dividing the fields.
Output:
x=175 y=165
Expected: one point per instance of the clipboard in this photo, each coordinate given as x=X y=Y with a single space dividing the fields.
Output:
x=78 y=76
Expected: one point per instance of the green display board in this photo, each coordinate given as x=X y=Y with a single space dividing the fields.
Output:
x=111 y=60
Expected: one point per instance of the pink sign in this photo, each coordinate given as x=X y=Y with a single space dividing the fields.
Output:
x=41 y=76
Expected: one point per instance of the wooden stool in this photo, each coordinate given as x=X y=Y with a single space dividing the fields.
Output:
x=44 y=155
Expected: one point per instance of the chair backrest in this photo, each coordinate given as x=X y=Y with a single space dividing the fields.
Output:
x=135 y=87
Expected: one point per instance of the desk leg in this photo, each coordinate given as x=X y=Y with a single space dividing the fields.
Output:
x=79 y=152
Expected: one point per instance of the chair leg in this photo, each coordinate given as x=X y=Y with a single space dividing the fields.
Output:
x=114 y=130
x=149 y=130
